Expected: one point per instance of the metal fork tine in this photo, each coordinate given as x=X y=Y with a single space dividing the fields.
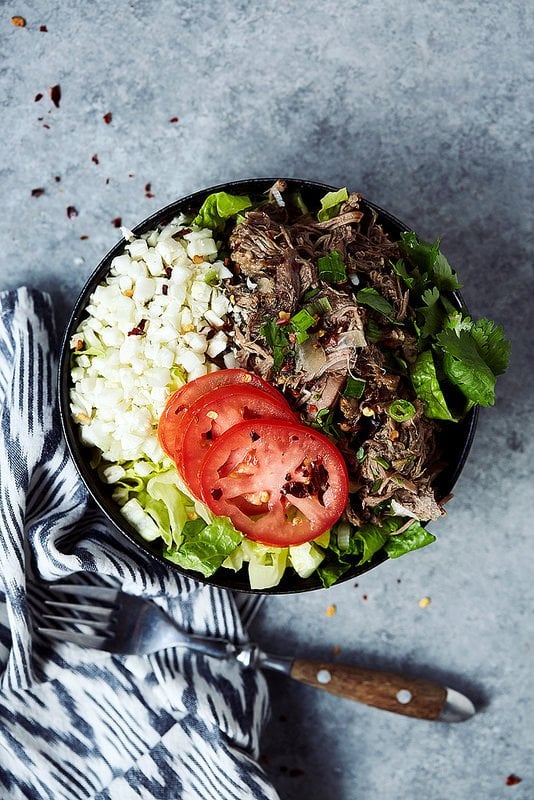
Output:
x=98 y=611
x=92 y=623
x=99 y=592
x=82 y=639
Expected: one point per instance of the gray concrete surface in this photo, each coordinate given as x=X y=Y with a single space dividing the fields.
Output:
x=427 y=109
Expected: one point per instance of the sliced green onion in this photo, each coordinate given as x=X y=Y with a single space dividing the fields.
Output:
x=320 y=306
x=354 y=387
x=331 y=268
x=383 y=462
x=401 y=410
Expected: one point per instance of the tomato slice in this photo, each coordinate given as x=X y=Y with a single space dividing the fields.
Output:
x=171 y=418
x=213 y=414
x=279 y=482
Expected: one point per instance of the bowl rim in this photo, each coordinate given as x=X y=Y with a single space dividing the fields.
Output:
x=76 y=450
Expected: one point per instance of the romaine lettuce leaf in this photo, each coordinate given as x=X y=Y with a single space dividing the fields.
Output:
x=205 y=546
x=412 y=538
x=266 y=565
x=426 y=385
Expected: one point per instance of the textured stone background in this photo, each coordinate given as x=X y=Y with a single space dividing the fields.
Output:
x=427 y=109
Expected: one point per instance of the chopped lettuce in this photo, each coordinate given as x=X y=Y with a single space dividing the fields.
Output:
x=365 y=542
x=305 y=558
x=331 y=203
x=413 y=538
x=427 y=388
x=266 y=564
x=219 y=207
x=141 y=520
x=205 y=546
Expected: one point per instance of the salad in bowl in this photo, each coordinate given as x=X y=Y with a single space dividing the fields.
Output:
x=273 y=385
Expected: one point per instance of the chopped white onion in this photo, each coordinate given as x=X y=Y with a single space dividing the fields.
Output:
x=147 y=328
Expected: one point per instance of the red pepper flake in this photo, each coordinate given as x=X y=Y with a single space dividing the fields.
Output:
x=40 y=119
x=364 y=597
x=148 y=187
x=43 y=29
x=38 y=192
x=57 y=179
x=139 y=330
x=72 y=211
x=46 y=126
x=83 y=238
x=55 y=94
x=117 y=222
x=94 y=159
x=164 y=289
x=173 y=119
x=512 y=780
x=38 y=97
x=107 y=117
x=18 y=22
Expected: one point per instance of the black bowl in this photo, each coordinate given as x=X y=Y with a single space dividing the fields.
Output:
x=457 y=444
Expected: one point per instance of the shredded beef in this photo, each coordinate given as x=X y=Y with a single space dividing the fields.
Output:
x=274 y=254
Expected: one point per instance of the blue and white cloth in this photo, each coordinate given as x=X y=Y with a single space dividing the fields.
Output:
x=77 y=723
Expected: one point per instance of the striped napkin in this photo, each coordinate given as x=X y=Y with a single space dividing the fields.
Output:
x=78 y=723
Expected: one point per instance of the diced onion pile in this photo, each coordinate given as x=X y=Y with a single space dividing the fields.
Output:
x=153 y=324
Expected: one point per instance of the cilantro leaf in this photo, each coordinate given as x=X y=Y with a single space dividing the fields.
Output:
x=465 y=367
x=399 y=268
x=491 y=344
x=278 y=341
x=325 y=422
x=370 y=297
x=432 y=312
x=430 y=259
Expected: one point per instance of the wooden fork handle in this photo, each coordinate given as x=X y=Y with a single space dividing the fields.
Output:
x=413 y=697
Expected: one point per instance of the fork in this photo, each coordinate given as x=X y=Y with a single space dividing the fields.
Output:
x=125 y=624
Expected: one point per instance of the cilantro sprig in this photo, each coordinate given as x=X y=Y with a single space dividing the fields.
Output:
x=458 y=357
